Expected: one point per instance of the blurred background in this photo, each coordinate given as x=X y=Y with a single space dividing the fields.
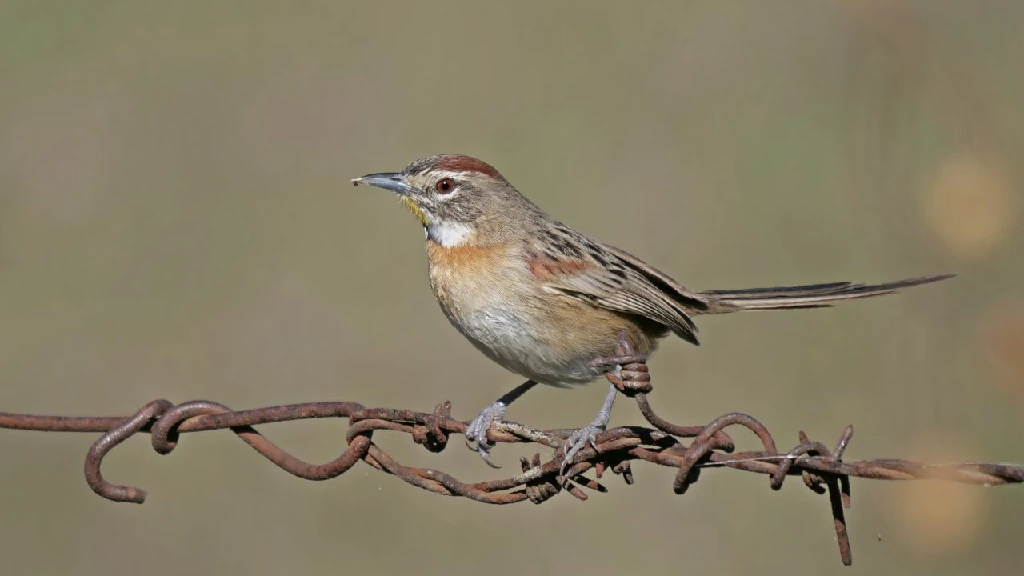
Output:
x=176 y=220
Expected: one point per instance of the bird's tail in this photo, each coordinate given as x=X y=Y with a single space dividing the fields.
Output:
x=809 y=296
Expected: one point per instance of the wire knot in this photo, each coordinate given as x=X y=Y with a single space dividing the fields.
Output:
x=431 y=434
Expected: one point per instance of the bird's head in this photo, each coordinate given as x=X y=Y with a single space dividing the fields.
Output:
x=457 y=198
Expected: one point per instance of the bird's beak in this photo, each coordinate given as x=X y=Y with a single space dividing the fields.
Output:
x=394 y=181
x=397 y=183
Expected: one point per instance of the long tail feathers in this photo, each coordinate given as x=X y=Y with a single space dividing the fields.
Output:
x=809 y=296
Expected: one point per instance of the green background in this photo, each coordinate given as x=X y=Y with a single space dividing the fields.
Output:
x=176 y=220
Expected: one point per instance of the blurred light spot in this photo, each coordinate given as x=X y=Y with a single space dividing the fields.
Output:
x=1002 y=335
x=933 y=518
x=972 y=206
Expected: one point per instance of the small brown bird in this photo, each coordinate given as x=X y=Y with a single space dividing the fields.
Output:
x=548 y=302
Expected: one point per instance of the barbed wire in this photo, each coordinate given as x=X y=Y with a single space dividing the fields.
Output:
x=823 y=470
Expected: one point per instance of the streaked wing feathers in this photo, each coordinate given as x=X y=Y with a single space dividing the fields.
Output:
x=574 y=265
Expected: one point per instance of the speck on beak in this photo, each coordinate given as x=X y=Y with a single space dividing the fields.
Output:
x=394 y=181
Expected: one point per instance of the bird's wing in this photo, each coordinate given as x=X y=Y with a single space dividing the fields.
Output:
x=694 y=302
x=569 y=263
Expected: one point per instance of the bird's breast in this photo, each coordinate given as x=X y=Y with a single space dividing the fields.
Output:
x=489 y=295
x=480 y=291
x=468 y=278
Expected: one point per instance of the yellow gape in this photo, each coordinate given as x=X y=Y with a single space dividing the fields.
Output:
x=415 y=210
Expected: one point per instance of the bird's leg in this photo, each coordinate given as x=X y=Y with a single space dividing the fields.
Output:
x=625 y=357
x=588 y=434
x=476 y=431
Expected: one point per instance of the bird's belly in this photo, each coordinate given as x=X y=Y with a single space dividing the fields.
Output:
x=512 y=341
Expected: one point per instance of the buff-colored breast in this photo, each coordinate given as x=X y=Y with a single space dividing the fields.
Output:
x=497 y=301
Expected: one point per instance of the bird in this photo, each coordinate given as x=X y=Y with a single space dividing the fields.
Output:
x=550 y=303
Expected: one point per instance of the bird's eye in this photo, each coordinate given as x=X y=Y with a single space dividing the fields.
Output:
x=445 y=186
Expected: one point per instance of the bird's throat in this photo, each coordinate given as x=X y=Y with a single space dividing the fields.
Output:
x=445 y=233
x=450 y=234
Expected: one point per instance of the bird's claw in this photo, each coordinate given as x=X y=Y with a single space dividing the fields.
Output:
x=577 y=441
x=476 y=431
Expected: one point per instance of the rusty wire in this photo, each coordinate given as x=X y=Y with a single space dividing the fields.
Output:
x=822 y=469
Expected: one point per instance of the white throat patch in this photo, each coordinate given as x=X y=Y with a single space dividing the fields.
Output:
x=449 y=234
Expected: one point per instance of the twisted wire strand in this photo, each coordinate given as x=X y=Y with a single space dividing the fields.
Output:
x=822 y=469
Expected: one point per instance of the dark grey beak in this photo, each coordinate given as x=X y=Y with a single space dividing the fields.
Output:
x=394 y=181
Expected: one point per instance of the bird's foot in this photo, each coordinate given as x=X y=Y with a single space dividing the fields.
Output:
x=476 y=431
x=579 y=439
